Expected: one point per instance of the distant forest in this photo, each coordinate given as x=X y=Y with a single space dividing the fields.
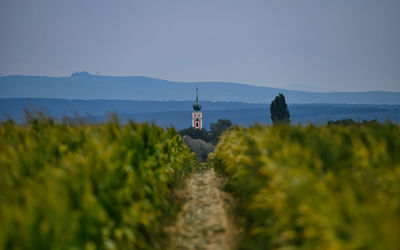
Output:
x=178 y=113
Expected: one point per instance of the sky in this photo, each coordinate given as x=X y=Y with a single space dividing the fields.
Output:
x=318 y=45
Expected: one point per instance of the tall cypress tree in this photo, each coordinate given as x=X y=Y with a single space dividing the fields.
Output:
x=279 y=110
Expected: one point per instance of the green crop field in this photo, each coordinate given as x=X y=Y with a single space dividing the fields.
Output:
x=329 y=187
x=72 y=185
x=104 y=186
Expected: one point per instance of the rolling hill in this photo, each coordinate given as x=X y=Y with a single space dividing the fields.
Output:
x=83 y=85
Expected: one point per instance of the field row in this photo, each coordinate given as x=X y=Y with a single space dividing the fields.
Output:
x=102 y=186
x=311 y=187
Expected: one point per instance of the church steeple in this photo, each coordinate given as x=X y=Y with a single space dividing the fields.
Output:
x=197 y=116
x=196 y=104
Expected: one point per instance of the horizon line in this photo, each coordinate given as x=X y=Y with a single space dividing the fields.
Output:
x=196 y=82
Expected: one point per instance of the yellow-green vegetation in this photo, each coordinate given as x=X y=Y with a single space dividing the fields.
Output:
x=329 y=187
x=105 y=186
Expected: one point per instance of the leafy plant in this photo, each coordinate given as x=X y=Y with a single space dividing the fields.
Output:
x=82 y=186
x=329 y=187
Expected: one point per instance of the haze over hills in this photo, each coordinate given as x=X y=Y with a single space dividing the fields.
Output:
x=83 y=85
x=170 y=103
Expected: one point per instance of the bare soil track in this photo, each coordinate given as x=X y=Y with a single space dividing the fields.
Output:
x=204 y=221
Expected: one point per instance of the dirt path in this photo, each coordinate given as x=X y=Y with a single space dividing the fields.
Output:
x=204 y=221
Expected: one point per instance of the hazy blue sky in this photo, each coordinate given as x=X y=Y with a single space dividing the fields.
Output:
x=328 y=44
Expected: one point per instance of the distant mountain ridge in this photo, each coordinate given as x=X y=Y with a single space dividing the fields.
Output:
x=82 y=85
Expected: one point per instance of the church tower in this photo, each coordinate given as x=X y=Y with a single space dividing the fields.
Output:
x=197 y=115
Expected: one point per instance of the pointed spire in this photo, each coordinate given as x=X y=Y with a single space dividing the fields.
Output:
x=196 y=104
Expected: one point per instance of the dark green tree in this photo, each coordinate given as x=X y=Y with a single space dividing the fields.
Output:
x=216 y=129
x=279 y=110
x=195 y=133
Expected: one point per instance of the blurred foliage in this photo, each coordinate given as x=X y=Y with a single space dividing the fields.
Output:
x=348 y=122
x=201 y=148
x=331 y=187
x=217 y=128
x=78 y=186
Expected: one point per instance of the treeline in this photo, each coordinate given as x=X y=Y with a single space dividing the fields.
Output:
x=349 y=122
x=77 y=186
x=212 y=136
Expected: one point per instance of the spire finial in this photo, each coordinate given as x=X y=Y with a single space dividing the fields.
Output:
x=196 y=104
